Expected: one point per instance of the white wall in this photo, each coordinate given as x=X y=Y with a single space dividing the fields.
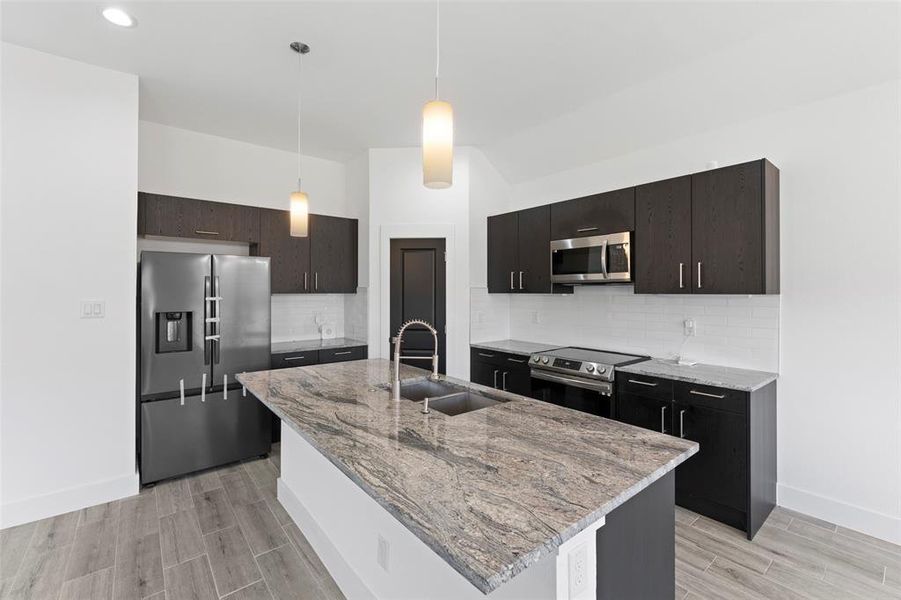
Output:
x=401 y=207
x=69 y=162
x=840 y=338
x=195 y=165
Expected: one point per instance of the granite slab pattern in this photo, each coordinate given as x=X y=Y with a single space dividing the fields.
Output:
x=491 y=491
x=515 y=346
x=310 y=345
x=745 y=380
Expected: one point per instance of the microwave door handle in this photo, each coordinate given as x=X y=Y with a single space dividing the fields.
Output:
x=604 y=259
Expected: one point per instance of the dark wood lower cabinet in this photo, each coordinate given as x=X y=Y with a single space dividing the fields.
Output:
x=732 y=478
x=501 y=370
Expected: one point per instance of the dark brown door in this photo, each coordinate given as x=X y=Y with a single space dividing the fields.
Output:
x=418 y=292
x=333 y=255
x=610 y=212
x=503 y=242
x=534 y=249
x=289 y=256
x=661 y=258
x=727 y=230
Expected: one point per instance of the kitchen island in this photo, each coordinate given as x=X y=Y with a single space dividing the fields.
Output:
x=509 y=500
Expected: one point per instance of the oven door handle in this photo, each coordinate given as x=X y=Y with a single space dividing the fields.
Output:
x=602 y=387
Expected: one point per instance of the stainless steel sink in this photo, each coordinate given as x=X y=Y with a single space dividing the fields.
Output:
x=421 y=389
x=463 y=402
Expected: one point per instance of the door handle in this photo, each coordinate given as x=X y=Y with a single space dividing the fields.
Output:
x=511 y=280
x=681 y=423
x=699 y=275
x=504 y=381
x=520 y=280
x=662 y=419
x=495 y=378
x=681 y=269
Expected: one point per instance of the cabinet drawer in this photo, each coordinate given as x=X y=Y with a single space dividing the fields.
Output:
x=295 y=359
x=713 y=397
x=501 y=359
x=644 y=385
x=333 y=355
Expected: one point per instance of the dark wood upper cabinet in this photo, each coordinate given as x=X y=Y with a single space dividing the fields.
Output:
x=533 y=250
x=503 y=242
x=333 y=254
x=609 y=212
x=734 y=229
x=662 y=245
x=289 y=264
x=173 y=216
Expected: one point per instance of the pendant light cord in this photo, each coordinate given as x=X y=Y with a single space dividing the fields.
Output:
x=437 y=43
x=299 y=89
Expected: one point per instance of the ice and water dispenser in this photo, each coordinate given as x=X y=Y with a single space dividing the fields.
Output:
x=173 y=331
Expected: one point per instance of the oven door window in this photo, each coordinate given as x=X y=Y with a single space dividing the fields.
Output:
x=589 y=401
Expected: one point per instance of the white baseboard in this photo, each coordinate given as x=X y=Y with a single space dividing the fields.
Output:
x=67 y=500
x=346 y=578
x=882 y=526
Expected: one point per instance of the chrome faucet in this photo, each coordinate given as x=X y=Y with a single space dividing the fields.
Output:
x=398 y=340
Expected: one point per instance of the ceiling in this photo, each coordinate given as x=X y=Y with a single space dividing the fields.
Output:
x=541 y=86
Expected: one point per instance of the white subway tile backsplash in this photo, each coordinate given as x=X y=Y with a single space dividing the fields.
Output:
x=298 y=316
x=356 y=323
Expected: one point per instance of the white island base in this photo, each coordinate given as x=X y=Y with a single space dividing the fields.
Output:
x=353 y=536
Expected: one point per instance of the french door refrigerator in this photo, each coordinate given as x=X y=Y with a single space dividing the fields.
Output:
x=203 y=319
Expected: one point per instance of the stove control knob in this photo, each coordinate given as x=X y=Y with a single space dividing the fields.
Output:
x=602 y=370
x=544 y=360
x=536 y=358
x=590 y=368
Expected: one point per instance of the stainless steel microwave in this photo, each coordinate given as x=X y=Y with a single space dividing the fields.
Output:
x=594 y=259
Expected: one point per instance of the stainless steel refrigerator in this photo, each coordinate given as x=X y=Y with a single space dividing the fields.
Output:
x=203 y=319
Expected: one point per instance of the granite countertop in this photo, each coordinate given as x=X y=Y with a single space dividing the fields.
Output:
x=732 y=378
x=317 y=344
x=491 y=491
x=515 y=346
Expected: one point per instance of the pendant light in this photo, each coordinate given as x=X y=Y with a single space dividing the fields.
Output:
x=300 y=202
x=437 y=129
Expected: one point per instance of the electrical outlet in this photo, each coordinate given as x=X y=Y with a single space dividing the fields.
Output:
x=383 y=553
x=578 y=571
x=688 y=328
x=536 y=317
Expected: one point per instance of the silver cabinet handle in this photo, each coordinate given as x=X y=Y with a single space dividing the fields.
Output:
x=511 y=280
x=516 y=360
x=717 y=396
x=662 y=419
x=350 y=352
x=495 y=378
x=681 y=269
x=305 y=286
x=202 y=232
x=504 y=381
x=520 y=280
x=287 y=358
x=699 y=275
x=584 y=229
x=316 y=281
x=681 y=423
x=486 y=355
x=647 y=383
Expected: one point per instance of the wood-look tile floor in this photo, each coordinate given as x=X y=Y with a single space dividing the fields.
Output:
x=223 y=534
x=217 y=534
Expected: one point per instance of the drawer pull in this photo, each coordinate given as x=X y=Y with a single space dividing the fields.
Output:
x=517 y=360
x=202 y=232
x=717 y=396
x=647 y=383
x=486 y=355
x=343 y=353
x=586 y=229
x=287 y=358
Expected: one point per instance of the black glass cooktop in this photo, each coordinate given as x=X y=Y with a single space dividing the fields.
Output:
x=596 y=356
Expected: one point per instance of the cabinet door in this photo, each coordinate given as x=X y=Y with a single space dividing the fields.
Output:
x=516 y=376
x=727 y=230
x=289 y=264
x=719 y=471
x=333 y=254
x=172 y=216
x=503 y=242
x=641 y=411
x=534 y=250
x=482 y=372
x=610 y=212
x=661 y=258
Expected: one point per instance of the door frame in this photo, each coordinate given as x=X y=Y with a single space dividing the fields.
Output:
x=456 y=309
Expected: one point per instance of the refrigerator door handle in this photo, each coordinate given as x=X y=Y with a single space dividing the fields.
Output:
x=218 y=295
x=203 y=388
x=225 y=386
x=181 y=389
x=207 y=322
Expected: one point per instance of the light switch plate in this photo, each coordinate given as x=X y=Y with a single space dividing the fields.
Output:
x=93 y=309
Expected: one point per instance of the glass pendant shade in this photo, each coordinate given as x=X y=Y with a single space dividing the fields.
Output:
x=437 y=144
x=300 y=214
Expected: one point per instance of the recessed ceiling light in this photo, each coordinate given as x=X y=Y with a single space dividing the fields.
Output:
x=119 y=17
